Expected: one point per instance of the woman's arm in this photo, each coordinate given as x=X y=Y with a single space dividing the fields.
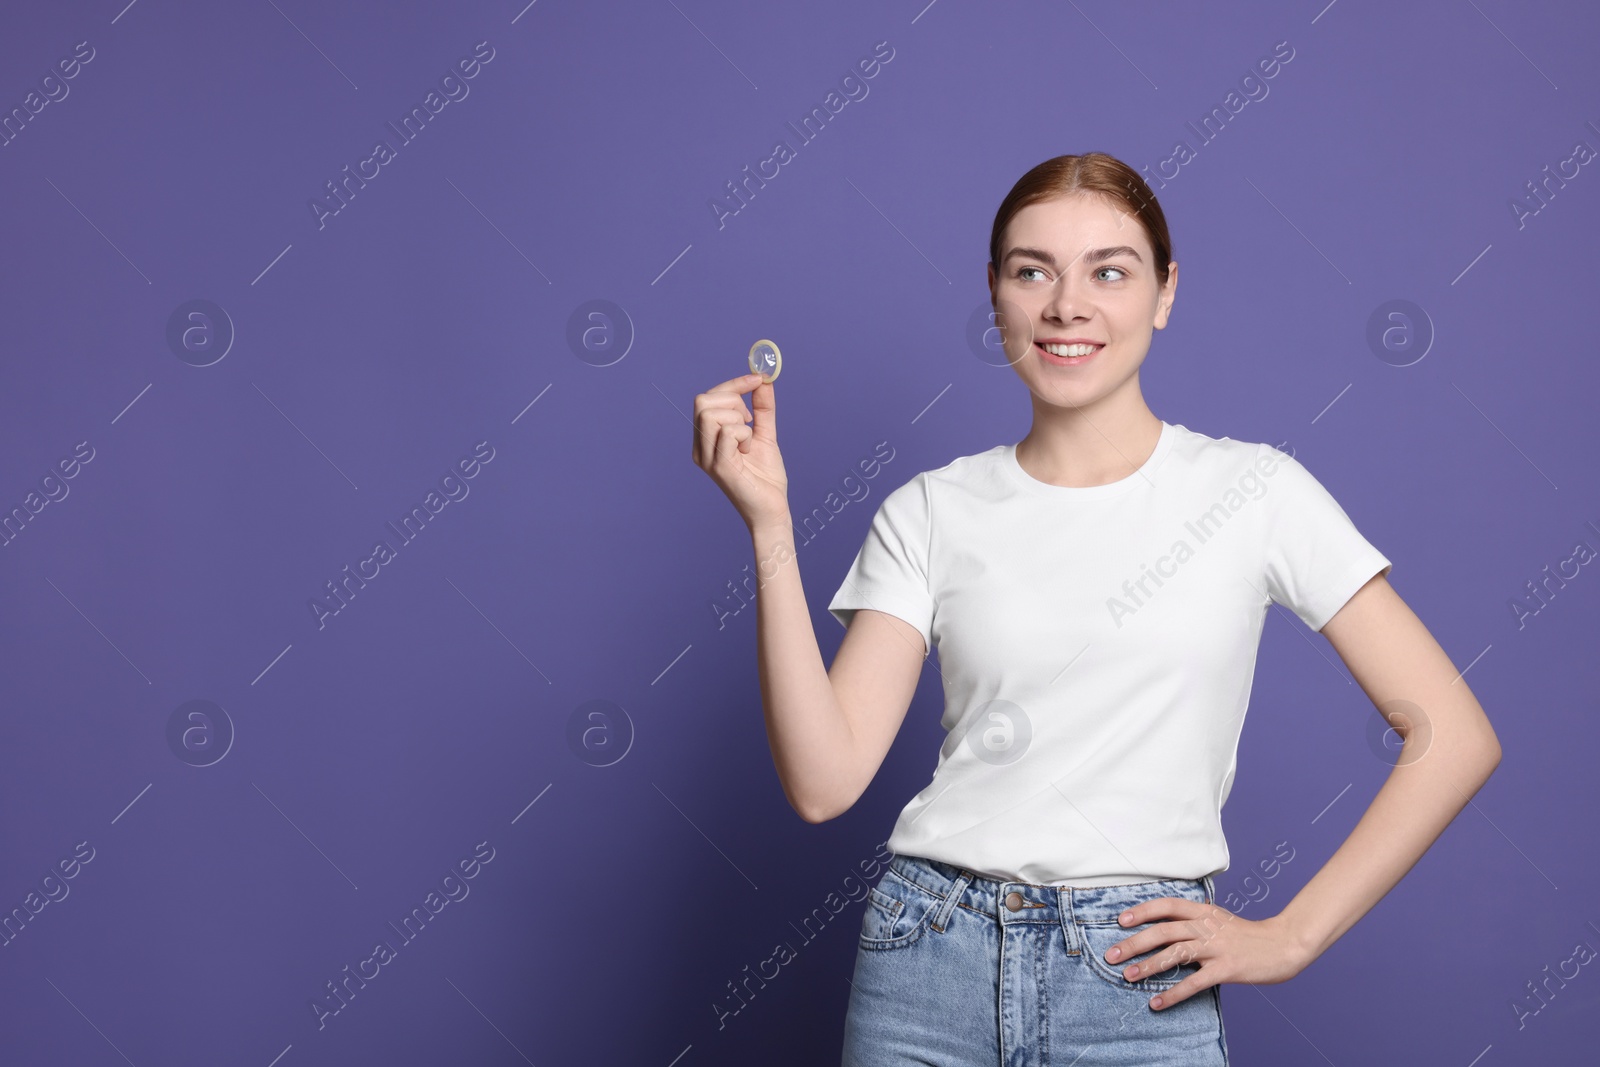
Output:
x=1449 y=751
x=829 y=728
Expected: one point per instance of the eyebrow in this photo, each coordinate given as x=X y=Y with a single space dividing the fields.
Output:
x=1090 y=255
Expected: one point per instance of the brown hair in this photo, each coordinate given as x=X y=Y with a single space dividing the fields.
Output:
x=1090 y=173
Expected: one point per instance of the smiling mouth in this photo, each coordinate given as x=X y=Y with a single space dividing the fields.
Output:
x=1060 y=357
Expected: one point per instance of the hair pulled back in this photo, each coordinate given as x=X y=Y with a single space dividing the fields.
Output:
x=1086 y=174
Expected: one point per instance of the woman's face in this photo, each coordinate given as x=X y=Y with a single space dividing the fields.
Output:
x=1078 y=268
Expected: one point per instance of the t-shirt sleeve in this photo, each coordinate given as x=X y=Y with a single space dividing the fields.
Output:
x=890 y=573
x=1315 y=558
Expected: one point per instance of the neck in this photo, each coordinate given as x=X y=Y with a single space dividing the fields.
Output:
x=1081 y=447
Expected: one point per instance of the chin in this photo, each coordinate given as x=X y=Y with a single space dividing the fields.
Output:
x=1053 y=394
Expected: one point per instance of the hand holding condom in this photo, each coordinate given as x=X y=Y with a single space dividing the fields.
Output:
x=742 y=460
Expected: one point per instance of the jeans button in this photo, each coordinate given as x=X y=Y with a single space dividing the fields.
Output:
x=1014 y=901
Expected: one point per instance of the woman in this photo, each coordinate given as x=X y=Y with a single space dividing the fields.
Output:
x=1097 y=593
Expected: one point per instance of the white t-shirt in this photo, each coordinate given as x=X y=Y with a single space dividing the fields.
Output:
x=1098 y=645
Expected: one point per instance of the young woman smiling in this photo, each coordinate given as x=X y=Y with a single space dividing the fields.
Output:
x=1097 y=593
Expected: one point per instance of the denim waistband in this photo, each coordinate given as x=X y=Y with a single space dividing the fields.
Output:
x=1031 y=902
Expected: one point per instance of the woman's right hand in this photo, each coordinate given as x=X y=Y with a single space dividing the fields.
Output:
x=744 y=461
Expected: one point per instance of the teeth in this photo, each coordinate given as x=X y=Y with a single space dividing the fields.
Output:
x=1070 y=350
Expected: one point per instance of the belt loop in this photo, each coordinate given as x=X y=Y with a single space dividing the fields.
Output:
x=1211 y=889
x=952 y=899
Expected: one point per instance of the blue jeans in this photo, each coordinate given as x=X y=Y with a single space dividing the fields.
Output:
x=954 y=969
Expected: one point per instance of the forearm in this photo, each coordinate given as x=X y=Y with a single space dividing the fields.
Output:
x=1423 y=793
x=806 y=729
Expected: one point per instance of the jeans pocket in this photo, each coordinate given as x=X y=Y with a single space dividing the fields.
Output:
x=896 y=914
x=1098 y=939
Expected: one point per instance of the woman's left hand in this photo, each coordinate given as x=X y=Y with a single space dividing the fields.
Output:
x=1227 y=948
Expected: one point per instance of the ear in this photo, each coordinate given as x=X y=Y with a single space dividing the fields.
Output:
x=1166 y=297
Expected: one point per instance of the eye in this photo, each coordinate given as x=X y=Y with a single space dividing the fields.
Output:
x=1119 y=270
x=1022 y=270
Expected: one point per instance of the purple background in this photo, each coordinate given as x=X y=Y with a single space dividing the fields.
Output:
x=445 y=704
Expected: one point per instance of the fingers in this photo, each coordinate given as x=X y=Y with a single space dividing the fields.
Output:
x=1175 y=955
x=1181 y=992
x=765 y=402
x=1141 y=942
x=723 y=405
x=725 y=438
x=742 y=384
x=1151 y=911
x=1161 y=907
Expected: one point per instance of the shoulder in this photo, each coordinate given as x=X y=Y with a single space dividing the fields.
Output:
x=1234 y=471
x=962 y=472
x=1200 y=454
x=944 y=493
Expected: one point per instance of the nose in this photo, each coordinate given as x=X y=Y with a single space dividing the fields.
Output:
x=1068 y=301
